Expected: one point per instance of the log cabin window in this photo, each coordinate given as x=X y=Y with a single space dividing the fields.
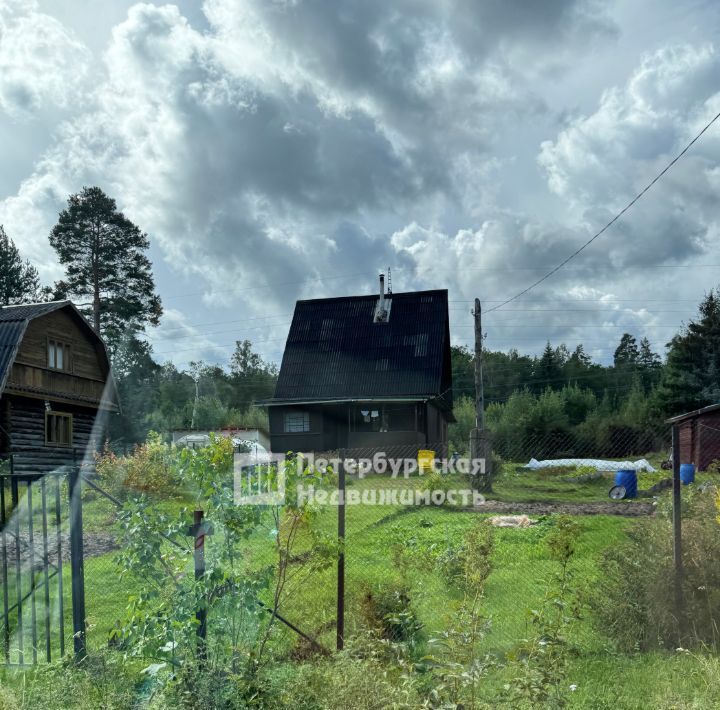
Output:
x=58 y=355
x=58 y=429
x=297 y=422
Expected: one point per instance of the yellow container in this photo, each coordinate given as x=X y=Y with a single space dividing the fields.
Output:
x=426 y=460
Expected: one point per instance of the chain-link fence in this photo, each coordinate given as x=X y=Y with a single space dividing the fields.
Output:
x=394 y=543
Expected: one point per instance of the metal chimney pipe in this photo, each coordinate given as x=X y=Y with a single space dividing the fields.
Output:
x=382 y=292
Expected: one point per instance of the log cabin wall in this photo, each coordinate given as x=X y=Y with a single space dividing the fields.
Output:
x=26 y=429
x=59 y=367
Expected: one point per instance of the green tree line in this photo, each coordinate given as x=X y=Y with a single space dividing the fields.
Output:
x=563 y=403
x=560 y=397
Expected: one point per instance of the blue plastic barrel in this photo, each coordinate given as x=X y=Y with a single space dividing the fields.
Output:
x=628 y=480
x=687 y=473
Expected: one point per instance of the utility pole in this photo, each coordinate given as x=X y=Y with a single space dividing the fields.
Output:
x=479 y=444
x=197 y=397
x=479 y=394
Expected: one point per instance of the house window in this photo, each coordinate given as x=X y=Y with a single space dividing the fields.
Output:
x=58 y=355
x=297 y=422
x=58 y=429
x=368 y=419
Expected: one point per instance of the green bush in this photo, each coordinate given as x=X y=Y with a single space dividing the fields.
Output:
x=634 y=601
x=100 y=681
x=358 y=678
x=148 y=469
x=387 y=609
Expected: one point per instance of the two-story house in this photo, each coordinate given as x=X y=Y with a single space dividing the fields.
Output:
x=365 y=372
x=54 y=380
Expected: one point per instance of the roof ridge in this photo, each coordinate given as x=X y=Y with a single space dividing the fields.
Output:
x=394 y=294
x=34 y=303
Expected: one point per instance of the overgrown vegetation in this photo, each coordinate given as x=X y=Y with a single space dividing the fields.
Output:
x=635 y=599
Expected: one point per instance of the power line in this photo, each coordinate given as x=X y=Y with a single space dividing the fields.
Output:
x=613 y=220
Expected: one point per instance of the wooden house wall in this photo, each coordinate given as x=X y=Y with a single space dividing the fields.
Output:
x=700 y=440
x=84 y=379
x=329 y=432
x=25 y=424
x=282 y=441
x=687 y=441
x=707 y=448
x=61 y=324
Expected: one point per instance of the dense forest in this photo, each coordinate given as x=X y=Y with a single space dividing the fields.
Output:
x=559 y=400
x=562 y=401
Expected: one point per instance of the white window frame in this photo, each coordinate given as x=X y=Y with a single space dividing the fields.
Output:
x=301 y=425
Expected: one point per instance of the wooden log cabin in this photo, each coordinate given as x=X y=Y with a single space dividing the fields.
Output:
x=54 y=381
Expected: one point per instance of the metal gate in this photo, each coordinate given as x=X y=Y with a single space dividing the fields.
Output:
x=41 y=565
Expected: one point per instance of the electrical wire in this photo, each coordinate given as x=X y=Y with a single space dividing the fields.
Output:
x=611 y=222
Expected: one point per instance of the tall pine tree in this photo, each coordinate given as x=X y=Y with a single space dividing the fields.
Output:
x=105 y=262
x=19 y=281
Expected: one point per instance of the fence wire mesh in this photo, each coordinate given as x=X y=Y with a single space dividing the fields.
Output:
x=417 y=540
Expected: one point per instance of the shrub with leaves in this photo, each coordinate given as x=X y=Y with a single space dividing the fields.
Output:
x=542 y=659
x=148 y=469
x=239 y=595
x=634 y=601
x=456 y=662
x=387 y=609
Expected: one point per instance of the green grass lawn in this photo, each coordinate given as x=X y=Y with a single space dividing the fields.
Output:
x=397 y=545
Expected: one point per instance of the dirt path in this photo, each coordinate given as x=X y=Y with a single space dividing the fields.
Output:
x=94 y=544
x=629 y=510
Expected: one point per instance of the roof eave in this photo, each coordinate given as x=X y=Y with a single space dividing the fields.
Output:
x=344 y=400
x=693 y=414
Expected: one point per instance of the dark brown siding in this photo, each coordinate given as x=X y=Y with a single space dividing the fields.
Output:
x=329 y=432
x=708 y=440
x=84 y=379
x=26 y=419
x=282 y=442
x=700 y=440
x=85 y=361
x=687 y=453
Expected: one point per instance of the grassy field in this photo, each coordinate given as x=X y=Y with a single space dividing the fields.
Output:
x=398 y=545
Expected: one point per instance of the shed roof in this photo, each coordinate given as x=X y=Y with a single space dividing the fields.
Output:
x=336 y=351
x=695 y=413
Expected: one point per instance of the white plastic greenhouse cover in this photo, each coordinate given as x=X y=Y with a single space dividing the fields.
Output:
x=598 y=464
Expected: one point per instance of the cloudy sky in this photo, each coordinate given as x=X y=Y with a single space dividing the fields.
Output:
x=284 y=149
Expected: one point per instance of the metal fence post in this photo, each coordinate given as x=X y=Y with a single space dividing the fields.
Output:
x=677 y=531
x=340 y=640
x=77 y=565
x=198 y=531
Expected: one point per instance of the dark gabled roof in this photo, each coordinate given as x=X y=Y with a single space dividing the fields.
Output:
x=28 y=311
x=13 y=323
x=691 y=415
x=336 y=351
x=11 y=333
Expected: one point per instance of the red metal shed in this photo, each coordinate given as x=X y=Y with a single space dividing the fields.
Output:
x=699 y=433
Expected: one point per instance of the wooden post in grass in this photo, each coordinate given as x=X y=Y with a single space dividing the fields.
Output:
x=199 y=530
x=340 y=638
x=677 y=532
x=479 y=444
